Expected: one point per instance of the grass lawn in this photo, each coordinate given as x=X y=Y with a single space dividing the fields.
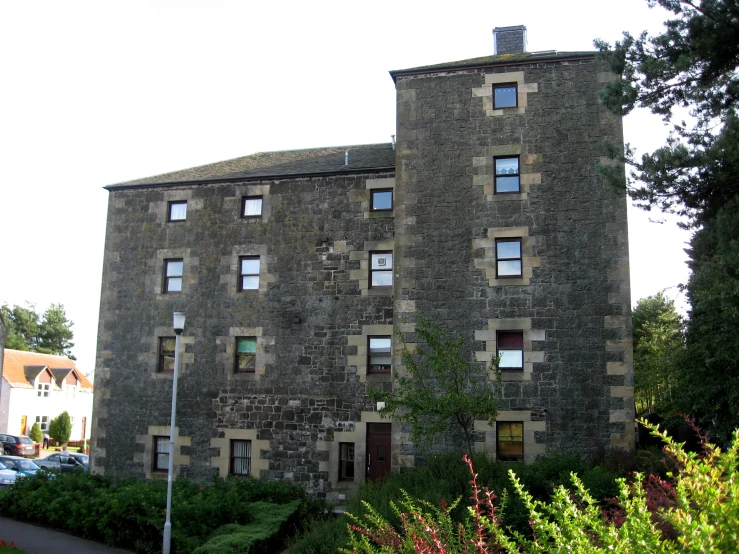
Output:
x=4 y=549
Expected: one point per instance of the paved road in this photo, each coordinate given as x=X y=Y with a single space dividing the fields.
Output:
x=39 y=540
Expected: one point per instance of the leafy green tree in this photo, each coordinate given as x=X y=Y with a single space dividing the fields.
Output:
x=60 y=428
x=22 y=325
x=441 y=392
x=659 y=343
x=36 y=435
x=50 y=334
x=55 y=332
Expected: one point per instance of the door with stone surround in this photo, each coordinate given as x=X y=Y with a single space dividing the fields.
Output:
x=378 y=450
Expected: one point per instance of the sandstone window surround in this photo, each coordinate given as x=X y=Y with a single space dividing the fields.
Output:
x=490 y=337
x=488 y=172
x=148 y=456
x=150 y=357
x=246 y=201
x=489 y=260
x=169 y=207
x=530 y=428
x=223 y=461
x=160 y=284
x=362 y=275
x=502 y=83
x=177 y=211
x=361 y=359
x=230 y=270
x=373 y=198
x=227 y=355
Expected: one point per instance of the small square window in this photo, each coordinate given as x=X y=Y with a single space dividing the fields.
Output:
x=507 y=176
x=251 y=206
x=173 y=275
x=249 y=273
x=43 y=390
x=161 y=454
x=166 y=354
x=381 y=270
x=177 y=211
x=510 y=349
x=381 y=200
x=379 y=354
x=246 y=355
x=240 y=457
x=509 y=441
x=346 y=461
x=508 y=257
x=43 y=422
x=505 y=96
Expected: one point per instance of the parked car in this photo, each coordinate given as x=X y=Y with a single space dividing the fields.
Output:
x=7 y=476
x=21 y=466
x=64 y=461
x=18 y=445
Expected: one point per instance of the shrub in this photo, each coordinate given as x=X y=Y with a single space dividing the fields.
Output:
x=36 y=435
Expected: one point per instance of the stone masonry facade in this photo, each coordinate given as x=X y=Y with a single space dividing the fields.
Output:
x=301 y=410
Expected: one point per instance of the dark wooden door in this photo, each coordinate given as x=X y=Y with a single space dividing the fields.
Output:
x=378 y=450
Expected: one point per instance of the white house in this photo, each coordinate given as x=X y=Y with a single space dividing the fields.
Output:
x=37 y=388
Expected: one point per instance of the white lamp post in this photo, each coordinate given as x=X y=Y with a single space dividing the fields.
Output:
x=179 y=326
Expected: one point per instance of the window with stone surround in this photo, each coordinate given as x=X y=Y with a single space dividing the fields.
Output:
x=246 y=355
x=505 y=96
x=510 y=349
x=381 y=200
x=509 y=441
x=379 y=354
x=161 y=454
x=508 y=257
x=507 y=175
x=249 y=273
x=240 y=457
x=173 y=275
x=381 y=270
x=251 y=206
x=346 y=461
x=166 y=355
x=177 y=211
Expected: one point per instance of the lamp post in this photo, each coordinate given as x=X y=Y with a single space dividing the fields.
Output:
x=179 y=326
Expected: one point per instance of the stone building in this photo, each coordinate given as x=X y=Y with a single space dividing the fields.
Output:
x=298 y=270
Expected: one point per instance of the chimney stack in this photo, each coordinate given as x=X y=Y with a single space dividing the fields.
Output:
x=509 y=40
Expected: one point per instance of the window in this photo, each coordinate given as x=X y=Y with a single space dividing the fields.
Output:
x=507 y=177
x=249 y=273
x=381 y=270
x=510 y=349
x=510 y=440
x=346 y=461
x=378 y=354
x=246 y=355
x=173 y=275
x=166 y=354
x=161 y=454
x=251 y=206
x=381 y=200
x=508 y=257
x=43 y=422
x=177 y=211
x=240 y=457
x=505 y=96
x=43 y=389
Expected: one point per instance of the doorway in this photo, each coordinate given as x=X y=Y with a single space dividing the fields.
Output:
x=378 y=450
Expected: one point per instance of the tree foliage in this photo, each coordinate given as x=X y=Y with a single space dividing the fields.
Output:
x=659 y=343
x=36 y=435
x=60 y=428
x=692 y=64
x=441 y=392
x=50 y=333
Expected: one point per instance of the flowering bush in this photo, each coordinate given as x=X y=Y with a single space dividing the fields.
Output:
x=695 y=509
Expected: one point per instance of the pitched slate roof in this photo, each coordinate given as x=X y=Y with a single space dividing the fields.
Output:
x=15 y=363
x=504 y=59
x=280 y=164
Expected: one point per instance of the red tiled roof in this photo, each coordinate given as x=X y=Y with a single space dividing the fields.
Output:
x=15 y=360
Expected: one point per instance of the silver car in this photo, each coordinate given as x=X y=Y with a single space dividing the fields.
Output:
x=64 y=461
x=7 y=477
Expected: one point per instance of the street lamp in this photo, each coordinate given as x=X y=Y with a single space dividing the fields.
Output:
x=179 y=326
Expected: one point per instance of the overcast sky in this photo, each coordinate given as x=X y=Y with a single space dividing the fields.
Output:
x=99 y=92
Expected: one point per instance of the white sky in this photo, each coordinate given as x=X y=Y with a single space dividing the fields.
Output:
x=99 y=92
